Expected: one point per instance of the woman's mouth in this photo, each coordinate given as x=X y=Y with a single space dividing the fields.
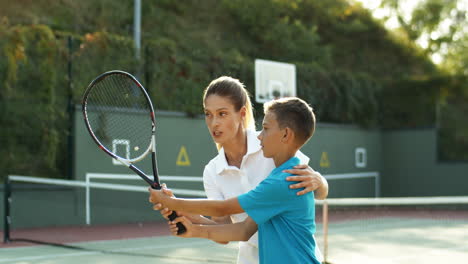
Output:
x=216 y=133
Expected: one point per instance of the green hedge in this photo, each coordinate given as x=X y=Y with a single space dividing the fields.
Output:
x=33 y=107
x=348 y=68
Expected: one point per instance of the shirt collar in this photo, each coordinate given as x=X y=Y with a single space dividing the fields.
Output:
x=253 y=146
x=286 y=165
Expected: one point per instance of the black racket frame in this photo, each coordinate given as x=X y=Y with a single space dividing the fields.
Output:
x=155 y=184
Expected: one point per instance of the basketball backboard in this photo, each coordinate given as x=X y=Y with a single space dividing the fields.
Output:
x=274 y=80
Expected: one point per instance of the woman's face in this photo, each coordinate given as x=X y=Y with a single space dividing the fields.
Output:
x=221 y=118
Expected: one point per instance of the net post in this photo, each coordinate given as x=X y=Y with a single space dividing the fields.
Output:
x=325 y=231
x=87 y=200
x=377 y=185
x=7 y=218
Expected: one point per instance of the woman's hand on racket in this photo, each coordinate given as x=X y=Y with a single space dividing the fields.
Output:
x=157 y=206
x=165 y=212
x=309 y=179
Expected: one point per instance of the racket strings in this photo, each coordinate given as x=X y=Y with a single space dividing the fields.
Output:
x=119 y=115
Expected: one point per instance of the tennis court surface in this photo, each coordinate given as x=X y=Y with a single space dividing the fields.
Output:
x=394 y=238
x=106 y=244
x=69 y=228
x=400 y=237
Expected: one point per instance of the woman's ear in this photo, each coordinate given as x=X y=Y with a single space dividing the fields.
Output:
x=243 y=111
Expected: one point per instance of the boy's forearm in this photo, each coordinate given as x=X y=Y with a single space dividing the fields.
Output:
x=202 y=206
x=230 y=232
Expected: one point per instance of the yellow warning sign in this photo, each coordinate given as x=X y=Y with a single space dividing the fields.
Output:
x=324 y=161
x=182 y=158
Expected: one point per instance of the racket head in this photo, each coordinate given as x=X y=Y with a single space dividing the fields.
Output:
x=118 y=114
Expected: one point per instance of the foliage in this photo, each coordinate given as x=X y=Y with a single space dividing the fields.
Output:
x=339 y=95
x=442 y=27
x=452 y=108
x=95 y=53
x=349 y=68
x=452 y=133
x=456 y=59
x=398 y=103
x=32 y=105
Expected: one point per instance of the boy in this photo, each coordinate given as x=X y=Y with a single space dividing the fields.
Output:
x=285 y=221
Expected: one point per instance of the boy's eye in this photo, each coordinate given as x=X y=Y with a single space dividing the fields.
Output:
x=207 y=114
x=222 y=113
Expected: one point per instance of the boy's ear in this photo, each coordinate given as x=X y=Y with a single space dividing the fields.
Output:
x=288 y=135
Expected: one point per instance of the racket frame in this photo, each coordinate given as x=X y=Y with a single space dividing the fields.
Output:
x=152 y=147
x=155 y=184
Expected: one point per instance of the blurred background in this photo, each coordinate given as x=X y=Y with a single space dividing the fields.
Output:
x=389 y=64
x=388 y=80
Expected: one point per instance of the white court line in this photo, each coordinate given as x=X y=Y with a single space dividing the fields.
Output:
x=432 y=251
x=46 y=257
x=99 y=251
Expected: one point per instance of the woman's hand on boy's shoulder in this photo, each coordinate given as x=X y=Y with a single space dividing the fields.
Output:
x=309 y=179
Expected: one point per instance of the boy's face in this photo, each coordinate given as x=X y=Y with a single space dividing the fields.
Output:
x=271 y=135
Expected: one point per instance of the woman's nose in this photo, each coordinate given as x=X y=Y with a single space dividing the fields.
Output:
x=215 y=122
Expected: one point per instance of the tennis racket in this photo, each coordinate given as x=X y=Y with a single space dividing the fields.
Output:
x=118 y=114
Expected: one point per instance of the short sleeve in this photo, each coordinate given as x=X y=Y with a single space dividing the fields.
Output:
x=267 y=200
x=209 y=182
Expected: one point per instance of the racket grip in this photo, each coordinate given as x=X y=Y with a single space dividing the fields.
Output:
x=180 y=226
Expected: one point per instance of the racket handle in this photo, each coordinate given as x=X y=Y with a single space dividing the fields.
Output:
x=180 y=226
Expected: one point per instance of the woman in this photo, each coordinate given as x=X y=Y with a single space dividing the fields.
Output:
x=240 y=164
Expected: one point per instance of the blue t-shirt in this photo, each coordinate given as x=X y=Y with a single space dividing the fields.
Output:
x=285 y=220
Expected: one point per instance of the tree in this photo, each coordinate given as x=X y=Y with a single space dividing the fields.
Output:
x=440 y=26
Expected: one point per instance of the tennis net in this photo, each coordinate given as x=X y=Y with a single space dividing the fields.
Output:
x=32 y=204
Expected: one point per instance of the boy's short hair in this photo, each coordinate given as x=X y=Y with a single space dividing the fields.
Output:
x=294 y=113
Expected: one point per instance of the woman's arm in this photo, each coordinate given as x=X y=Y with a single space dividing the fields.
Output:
x=194 y=218
x=165 y=212
x=241 y=231
x=308 y=179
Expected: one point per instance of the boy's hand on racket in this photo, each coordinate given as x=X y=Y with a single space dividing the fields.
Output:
x=186 y=222
x=308 y=179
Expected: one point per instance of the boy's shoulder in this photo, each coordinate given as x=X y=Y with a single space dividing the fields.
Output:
x=278 y=176
x=289 y=164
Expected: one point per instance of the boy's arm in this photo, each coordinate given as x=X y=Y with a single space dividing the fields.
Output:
x=196 y=206
x=241 y=231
